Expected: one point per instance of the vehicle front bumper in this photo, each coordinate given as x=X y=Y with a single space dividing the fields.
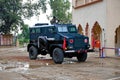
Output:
x=75 y=51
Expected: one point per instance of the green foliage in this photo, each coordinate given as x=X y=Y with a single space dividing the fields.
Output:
x=60 y=9
x=12 y=13
x=24 y=36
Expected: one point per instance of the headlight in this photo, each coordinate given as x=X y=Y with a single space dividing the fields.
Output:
x=85 y=40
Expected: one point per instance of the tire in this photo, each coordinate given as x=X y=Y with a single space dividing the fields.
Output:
x=43 y=43
x=82 y=57
x=58 y=55
x=33 y=52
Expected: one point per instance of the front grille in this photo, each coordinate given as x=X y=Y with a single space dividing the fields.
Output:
x=79 y=43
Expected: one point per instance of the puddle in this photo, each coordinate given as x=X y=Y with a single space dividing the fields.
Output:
x=14 y=66
x=32 y=66
x=21 y=66
x=69 y=61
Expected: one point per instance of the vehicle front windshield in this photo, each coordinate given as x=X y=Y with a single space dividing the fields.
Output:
x=62 y=29
x=70 y=29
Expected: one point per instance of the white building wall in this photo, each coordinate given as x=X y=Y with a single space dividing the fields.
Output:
x=91 y=14
x=113 y=20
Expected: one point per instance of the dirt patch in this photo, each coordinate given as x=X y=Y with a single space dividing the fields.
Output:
x=16 y=65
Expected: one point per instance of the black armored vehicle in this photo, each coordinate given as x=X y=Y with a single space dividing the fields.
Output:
x=58 y=40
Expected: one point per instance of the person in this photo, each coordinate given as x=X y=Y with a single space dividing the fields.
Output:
x=54 y=20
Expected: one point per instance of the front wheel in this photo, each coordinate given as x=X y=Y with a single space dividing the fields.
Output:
x=33 y=52
x=58 y=55
x=82 y=57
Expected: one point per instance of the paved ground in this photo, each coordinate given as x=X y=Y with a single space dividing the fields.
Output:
x=15 y=65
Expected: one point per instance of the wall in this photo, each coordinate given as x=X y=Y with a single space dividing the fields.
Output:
x=91 y=14
x=6 y=40
x=113 y=20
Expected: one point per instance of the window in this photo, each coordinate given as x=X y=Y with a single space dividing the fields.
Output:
x=51 y=30
x=72 y=29
x=82 y=3
x=87 y=1
x=32 y=31
x=38 y=30
x=79 y=2
x=62 y=29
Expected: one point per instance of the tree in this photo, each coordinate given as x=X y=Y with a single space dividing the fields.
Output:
x=60 y=9
x=24 y=36
x=12 y=13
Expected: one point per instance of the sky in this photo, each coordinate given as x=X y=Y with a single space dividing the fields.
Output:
x=42 y=18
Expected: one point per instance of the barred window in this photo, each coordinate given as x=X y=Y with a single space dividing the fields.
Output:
x=81 y=3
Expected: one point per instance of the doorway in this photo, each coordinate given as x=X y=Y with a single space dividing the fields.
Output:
x=117 y=37
x=96 y=36
x=80 y=30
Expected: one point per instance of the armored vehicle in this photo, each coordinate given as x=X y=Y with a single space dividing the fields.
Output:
x=58 y=40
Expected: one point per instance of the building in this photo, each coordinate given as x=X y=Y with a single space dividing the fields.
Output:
x=99 y=20
x=6 y=40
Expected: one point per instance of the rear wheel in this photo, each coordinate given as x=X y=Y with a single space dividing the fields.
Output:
x=82 y=57
x=58 y=55
x=33 y=52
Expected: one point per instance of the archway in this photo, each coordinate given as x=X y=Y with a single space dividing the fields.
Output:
x=80 y=30
x=117 y=37
x=96 y=36
x=86 y=29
